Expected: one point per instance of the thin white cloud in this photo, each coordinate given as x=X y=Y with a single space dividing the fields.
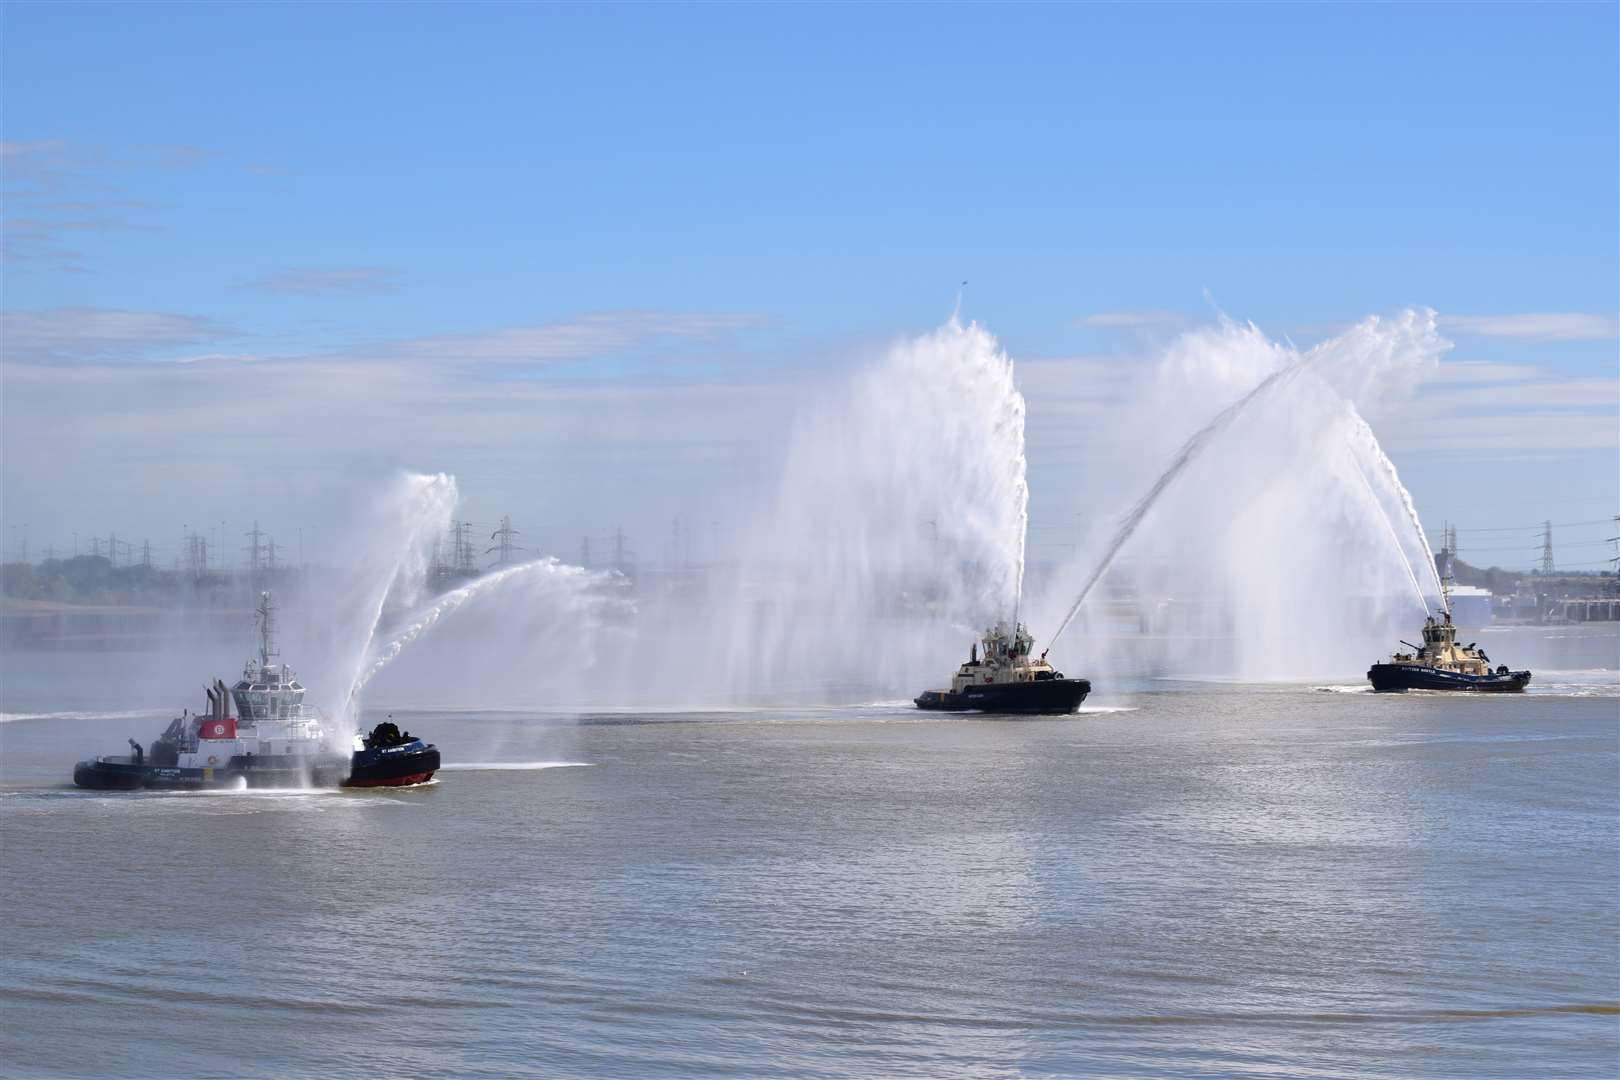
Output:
x=1547 y=394
x=102 y=431
x=582 y=337
x=1509 y=435
x=87 y=335
x=1484 y=371
x=1060 y=389
x=1548 y=326
x=35 y=166
x=84 y=335
x=1508 y=410
x=322 y=282
x=213 y=358
x=1124 y=320
x=56 y=190
x=1101 y=365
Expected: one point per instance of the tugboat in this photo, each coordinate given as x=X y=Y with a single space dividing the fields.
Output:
x=1006 y=680
x=389 y=757
x=1441 y=664
x=273 y=741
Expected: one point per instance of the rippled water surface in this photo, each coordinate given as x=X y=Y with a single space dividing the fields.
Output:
x=1206 y=880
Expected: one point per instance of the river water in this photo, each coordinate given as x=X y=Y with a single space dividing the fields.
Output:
x=1192 y=879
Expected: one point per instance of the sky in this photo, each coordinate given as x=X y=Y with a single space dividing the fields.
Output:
x=589 y=259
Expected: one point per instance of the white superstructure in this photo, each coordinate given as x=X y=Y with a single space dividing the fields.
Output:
x=271 y=718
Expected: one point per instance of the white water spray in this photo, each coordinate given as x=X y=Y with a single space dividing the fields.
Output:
x=898 y=533
x=1294 y=508
x=1364 y=439
x=1389 y=528
x=1133 y=518
x=419 y=623
x=900 y=530
x=405 y=522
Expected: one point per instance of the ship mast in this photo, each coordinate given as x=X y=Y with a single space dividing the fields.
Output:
x=267 y=642
x=1450 y=555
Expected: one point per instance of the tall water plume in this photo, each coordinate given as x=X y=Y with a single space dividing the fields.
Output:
x=1275 y=538
x=897 y=533
x=390 y=559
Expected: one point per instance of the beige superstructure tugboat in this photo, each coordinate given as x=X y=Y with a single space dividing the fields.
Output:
x=1007 y=680
x=1441 y=664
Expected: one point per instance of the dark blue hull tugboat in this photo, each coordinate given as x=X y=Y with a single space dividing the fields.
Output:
x=274 y=740
x=389 y=757
x=1006 y=680
x=1398 y=676
x=1441 y=664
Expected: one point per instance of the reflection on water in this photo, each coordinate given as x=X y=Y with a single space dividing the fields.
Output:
x=1220 y=880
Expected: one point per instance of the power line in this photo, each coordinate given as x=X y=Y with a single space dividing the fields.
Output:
x=465 y=561
x=504 y=534
x=255 y=550
x=1537 y=525
x=1537 y=547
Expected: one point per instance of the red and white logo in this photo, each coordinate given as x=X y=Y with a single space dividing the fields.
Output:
x=219 y=729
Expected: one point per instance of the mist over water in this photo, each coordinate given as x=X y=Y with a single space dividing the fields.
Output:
x=1250 y=526
x=1269 y=537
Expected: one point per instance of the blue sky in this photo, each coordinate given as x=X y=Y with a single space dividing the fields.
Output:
x=753 y=187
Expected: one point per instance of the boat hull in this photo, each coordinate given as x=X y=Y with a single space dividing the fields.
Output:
x=398 y=766
x=1039 y=697
x=395 y=766
x=1394 y=677
x=105 y=774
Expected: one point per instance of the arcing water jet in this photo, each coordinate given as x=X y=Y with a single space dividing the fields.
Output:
x=1189 y=451
x=1389 y=527
x=405 y=522
x=1367 y=443
x=1294 y=497
x=419 y=623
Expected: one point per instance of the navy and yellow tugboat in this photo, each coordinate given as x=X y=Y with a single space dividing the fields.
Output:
x=273 y=741
x=1441 y=664
x=1006 y=680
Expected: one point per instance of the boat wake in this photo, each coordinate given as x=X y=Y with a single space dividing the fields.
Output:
x=134 y=714
x=1556 y=688
x=512 y=766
